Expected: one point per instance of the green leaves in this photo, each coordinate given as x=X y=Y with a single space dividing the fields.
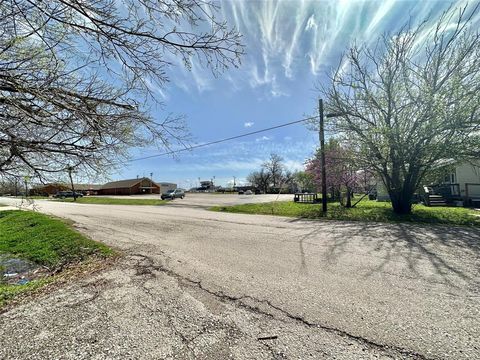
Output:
x=412 y=100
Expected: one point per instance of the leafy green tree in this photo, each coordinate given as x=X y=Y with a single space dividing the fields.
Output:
x=410 y=101
x=305 y=180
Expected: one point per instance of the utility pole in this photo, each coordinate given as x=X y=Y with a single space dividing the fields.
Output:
x=234 y=183
x=70 y=170
x=321 y=135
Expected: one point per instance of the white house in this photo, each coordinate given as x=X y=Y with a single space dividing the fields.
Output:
x=464 y=181
x=460 y=183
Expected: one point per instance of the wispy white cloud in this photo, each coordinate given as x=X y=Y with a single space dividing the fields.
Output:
x=263 y=138
x=248 y=124
x=288 y=40
x=231 y=165
x=294 y=165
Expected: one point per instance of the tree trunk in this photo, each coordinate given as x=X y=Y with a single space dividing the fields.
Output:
x=349 y=198
x=401 y=202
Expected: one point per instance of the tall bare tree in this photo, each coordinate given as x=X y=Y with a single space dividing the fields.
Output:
x=75 y=76
x=260 y=179
x=411 y=100
x=274 y=166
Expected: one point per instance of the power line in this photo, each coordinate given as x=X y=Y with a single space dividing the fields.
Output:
x=171 y=152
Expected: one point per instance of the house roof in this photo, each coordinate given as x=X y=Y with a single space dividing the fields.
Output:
x=41 y=186
x=125 y=183
x=68 y=186
x=87 y=186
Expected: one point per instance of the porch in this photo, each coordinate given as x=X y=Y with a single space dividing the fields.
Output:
x=453 y=194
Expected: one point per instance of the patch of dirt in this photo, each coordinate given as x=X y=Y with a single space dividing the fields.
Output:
x=14 y=270
x=60 y=279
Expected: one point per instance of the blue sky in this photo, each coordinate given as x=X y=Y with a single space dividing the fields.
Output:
x=290 y=46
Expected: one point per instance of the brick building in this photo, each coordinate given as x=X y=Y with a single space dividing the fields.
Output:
x=130 y=187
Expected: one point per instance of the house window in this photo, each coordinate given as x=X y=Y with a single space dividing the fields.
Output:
x=449 y=179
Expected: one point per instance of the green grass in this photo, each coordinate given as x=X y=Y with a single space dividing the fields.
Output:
x=366 y=210
x=115 y=201
x=9 y=292
x=44 y=240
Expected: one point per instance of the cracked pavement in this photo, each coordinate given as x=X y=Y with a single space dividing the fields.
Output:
x=195 y=284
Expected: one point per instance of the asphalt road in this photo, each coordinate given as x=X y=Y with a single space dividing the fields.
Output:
x=196 y=284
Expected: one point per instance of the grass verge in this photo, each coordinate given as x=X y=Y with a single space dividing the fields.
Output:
x=366 y=210
x=114 y=201
x=10 y=292
x=33 y=197
x=46 y=241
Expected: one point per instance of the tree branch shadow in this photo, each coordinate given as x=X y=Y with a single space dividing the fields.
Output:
x=440 y=254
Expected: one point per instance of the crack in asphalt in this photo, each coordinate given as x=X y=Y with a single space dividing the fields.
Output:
x=146 y=271
x=239 y=301
x=98 y=289
x=141 y=271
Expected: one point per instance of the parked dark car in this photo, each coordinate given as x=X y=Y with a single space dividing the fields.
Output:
x=67 y=194
x=172 y=194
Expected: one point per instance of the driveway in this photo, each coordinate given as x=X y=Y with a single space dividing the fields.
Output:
x=206 y=200
x=197 y=284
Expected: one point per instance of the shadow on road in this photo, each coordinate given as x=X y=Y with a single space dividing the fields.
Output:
x=188 y=205
x=448 y=254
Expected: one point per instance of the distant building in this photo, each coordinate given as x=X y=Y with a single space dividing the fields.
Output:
x=48 y=189
x=87 y=189
x=206 y=185
x=130 y=187
x=53 y=188
x=165 y=186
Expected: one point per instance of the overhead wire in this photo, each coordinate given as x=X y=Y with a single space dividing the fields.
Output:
x=172 y=152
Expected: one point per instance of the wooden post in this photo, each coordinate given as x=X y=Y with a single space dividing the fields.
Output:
x=321 y=135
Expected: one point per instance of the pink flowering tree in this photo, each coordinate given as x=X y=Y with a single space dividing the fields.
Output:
x=341 y=172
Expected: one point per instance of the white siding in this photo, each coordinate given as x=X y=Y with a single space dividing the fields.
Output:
x=382 y=193
x=164 y=187
x=468 y=174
